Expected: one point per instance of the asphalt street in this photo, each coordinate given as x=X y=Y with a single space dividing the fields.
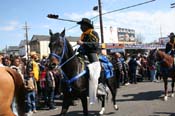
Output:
x=142 y=99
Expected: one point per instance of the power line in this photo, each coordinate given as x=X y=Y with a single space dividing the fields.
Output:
x=124 y=8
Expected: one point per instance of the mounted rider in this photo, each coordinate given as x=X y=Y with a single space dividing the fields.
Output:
x=170 y=46
x=89 y=45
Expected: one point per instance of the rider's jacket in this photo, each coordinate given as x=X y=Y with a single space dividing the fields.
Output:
x=91 y=44
x=92 y=39
x=170 y=48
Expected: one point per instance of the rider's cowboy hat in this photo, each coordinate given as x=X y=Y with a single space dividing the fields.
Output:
x=86 y=21
x=171 y=35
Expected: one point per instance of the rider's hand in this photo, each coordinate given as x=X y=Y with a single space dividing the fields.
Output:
x=79 y=42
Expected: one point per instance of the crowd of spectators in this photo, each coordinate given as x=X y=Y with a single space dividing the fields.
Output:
x=134 y=68
x=39 y=80
x=42 y=85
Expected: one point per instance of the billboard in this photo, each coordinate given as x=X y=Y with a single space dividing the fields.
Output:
x=117 y=35
x=109 y=34
x=126 y=35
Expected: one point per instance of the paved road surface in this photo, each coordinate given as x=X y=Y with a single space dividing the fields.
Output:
x=142 y=99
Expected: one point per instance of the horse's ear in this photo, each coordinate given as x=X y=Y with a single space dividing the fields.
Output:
x=50 y=32
x=156 y=49
x=63 y=33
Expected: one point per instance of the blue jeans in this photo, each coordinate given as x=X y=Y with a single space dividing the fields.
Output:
x=153 y=75
x=31 y=97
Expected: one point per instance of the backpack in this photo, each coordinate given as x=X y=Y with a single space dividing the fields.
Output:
x=29 y=84
x=107 y=66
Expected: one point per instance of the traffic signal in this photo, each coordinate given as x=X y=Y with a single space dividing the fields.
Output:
x=95 y=8
x=52 y=16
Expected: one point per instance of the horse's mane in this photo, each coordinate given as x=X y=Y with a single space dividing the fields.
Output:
x=74 y=62
x=70 y=49
x=167 y=59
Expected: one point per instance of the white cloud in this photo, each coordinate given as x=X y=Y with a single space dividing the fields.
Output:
x=78 y=17
x=12 y=25
x=45 y=26
x=149 y=24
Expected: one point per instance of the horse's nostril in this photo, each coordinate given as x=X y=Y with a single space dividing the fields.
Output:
x=54 y=64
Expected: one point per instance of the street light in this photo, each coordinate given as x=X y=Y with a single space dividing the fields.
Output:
x=54 y=16
x=173 y=5
x=99 y=8
x=101 y=21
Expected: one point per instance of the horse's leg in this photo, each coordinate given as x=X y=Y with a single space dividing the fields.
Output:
x=112 y=85
x=172 y=85
x=165 y=79
x=102 y=99
x=65 y=105
x=84 y=104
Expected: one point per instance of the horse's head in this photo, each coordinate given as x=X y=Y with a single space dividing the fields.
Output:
x=57 y=47
x=152 y=56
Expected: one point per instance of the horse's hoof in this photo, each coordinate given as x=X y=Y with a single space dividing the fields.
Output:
x=62 y=115
x=102 y=111
x=116 y=107
x=172 y=95
x=165 y=98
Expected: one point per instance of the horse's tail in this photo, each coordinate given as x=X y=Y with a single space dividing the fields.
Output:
x=19 y=91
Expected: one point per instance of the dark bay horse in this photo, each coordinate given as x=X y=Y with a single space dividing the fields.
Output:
x=111 y=83
x=166 y=66
x=11 y=89
x=75 y=80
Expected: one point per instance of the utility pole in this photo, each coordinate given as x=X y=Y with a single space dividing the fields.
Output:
x=101 y=21
x=26 y=35
x=160 y=31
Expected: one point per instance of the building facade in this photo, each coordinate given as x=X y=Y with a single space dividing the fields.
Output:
x=40 y=44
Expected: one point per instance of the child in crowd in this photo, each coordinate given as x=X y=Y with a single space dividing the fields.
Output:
x=31 y=89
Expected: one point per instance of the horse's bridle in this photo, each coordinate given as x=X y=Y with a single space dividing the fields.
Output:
x=155 y=54
x=60 y=57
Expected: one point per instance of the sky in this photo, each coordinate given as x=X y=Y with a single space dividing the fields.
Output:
x=151 y=21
